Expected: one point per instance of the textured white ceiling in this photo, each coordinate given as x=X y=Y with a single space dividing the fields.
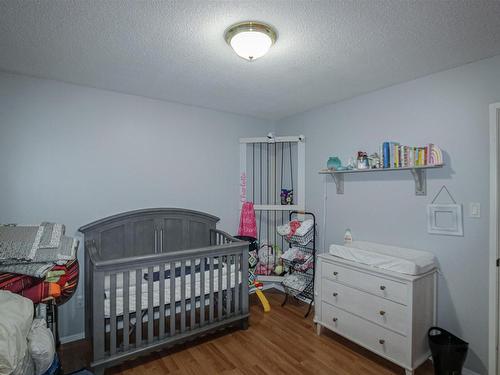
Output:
x=174 y=50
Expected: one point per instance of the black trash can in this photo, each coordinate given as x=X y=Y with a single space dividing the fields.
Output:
x=448 y=351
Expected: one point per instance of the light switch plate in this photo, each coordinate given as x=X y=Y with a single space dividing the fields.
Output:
x=475 y=210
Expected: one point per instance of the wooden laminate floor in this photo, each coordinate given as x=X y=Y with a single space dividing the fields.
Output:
x=279 y=342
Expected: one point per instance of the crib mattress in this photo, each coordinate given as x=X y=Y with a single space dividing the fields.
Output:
x=391 y=258
x=156 y=289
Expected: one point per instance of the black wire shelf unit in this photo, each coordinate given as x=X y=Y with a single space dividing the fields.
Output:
x=303 y=276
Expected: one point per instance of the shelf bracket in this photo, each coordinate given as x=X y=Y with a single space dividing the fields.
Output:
x=338 y=178
x=420 y=181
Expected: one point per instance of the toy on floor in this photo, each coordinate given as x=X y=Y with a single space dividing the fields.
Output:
x=263 y=300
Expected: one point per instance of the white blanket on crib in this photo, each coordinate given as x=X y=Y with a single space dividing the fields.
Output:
x=156 y=288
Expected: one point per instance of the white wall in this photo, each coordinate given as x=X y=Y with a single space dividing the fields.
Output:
x=72 y=154
x=449 y=109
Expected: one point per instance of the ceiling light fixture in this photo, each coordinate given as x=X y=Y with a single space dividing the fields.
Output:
x=250 y=39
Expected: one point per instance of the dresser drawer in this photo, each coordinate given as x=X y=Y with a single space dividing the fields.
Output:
x=377 y=285
x=378 y=310
x=369 y=335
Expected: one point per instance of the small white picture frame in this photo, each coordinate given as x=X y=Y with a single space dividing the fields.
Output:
x=445 y=219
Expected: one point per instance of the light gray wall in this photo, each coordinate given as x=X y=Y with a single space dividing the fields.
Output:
x=72 y=154
x=449 y=109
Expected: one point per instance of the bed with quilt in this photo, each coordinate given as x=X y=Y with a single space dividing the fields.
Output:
x=38 y=262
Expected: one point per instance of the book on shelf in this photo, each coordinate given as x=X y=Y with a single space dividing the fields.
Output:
x=395 y=155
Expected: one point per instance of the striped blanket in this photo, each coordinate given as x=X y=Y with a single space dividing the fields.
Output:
x=59 y=287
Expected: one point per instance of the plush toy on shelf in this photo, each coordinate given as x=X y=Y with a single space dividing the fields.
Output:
x=266 y=263
x=278 y=268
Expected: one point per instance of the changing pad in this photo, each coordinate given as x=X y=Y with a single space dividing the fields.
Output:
x=391 y=258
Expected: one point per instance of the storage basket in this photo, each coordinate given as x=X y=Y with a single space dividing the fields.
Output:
x=296 y=264
x=301 y=240
x=304 y=290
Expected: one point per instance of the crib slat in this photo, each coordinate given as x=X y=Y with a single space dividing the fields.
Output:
x=211 y=291
x=161 y=282
x=98 y=317
x=138 y=308
x=183 y=296
x=237 y=262
x=244 y=285
x=150 y=305
x=228 y=286
x=126 y=319
x=192 y=322
x=219 y=290
x=112 y=314
x=172 y=298
x=203 y=263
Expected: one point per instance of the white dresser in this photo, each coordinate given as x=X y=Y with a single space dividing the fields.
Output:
x=386 y=312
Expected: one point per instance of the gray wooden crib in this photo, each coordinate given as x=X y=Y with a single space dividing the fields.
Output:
x=158 y=277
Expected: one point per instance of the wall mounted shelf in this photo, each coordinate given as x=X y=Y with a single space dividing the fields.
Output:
x=418 y=174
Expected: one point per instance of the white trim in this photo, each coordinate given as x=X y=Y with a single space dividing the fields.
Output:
x=271 y=278
x=301 y=175
x=278 y=207
x=267 y=286
x=466 y=371
x=299 y=138
x=71 y=338
x=493 y=279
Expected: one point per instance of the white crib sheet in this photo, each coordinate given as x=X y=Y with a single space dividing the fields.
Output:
x=156 y=289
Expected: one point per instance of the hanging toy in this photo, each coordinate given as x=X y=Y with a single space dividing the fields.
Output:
x=286 y=196
x=248 y=224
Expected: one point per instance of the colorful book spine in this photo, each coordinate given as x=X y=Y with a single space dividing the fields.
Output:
x=386 y=154
x=394 y=155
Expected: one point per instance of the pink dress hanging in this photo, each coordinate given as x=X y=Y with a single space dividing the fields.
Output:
x=248 y=224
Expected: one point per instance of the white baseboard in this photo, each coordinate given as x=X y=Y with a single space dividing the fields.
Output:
x=71 y=338
x=468 y=372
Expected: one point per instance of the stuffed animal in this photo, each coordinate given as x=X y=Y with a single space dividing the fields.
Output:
x=278 y=269
x=266 y=263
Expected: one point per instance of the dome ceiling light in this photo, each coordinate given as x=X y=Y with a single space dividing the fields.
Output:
x=250 y=39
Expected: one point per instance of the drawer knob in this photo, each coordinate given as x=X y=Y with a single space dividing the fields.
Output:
x=334 y=320
x=382 y=287
x=335 y=273
x=382 y=312
x=381 y=342
x=335 y=294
